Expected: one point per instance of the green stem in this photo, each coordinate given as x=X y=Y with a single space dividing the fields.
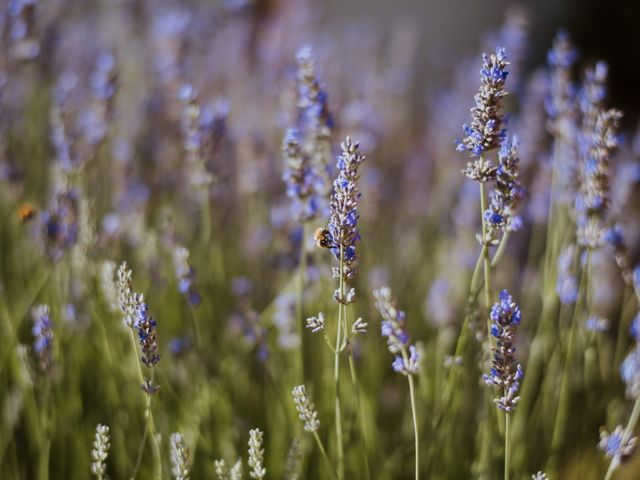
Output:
x=324 y=454
x=356 y=388
x=196 y=328
x=415 y=424
x=507 y=451
x=336 y=375
x=563 y=402
x=300 y=304
x=148 y=414
x=486 y=258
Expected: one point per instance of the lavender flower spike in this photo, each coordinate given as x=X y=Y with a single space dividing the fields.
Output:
x=486 y=130
x=500 y=216
x=596 y=179
x=43 y=336
x=343 y=222
x=407 y=357
x=505 y=373
x=147 y=336
x=299 y=177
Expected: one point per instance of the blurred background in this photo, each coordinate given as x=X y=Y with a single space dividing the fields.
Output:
x=152 y=131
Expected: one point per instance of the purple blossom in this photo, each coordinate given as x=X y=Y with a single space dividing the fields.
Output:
x=343 y=221
x=505 y=374
x=42 y=332
x=486 y=130
x=406 y=356
x=147 y=336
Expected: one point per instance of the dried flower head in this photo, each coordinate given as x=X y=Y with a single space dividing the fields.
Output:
x=316 y=324
x=129 y=300
x=306 y=409
x=256 y=454
x=180 y=454
x=100 y=451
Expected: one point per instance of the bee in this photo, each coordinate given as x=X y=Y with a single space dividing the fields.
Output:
x=26 y=211
x=323 y=238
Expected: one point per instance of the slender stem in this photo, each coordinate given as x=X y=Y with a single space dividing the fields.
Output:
x=300 y=304
x=43 y=463
x=140 y=451
x=336 y=375
x=502 y=247
x=196 y=328
x=507 y=451
x=363 y=429
x=415 y=424
x=563 y=402
x=486 y=258
x=324 y=454
x=148 y=413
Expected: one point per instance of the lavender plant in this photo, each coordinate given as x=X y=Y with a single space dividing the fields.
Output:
x=406 y=356
x=505 y=374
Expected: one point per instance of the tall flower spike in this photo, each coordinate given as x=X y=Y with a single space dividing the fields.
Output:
x=129 y=300
x=407 y=357
x=508 y=192
x=179 y=457
x=146 y=327
x=505 y=373
x=299 y=177
x=596 y=179
x=193 y=140
x=562 y=110
x=560 y=105
x=256 y=454
x=315 y=119
x=100 y=451
x=343 y=221
x=539 y=476
x=486 y=130
x=42 y=331
x=306 y=409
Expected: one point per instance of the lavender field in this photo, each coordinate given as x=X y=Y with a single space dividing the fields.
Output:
x=238 y=243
